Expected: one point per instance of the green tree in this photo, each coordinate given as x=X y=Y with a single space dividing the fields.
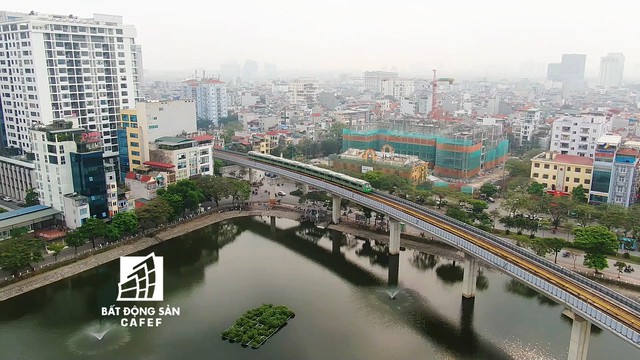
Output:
x=620 y=265
x=215 y=188
x=75 y=239
x=555 y=245
x=125 y=222
x=442 y=192
x=579 y=195
x=596 y=241
x=557 y=207
x=457 y=213
x=217 y=167
x=584 y=214
x=518 y=168
x=488 y=189
x=330 y=146
x=536 y=188
x=204 y=124
x=240 y=190
x=612 y=216
x=93 y=229
x=19 y=251
x=182 y=196
x=516 y=201
x=112 y=233
x=539 y=246
x=153 y=214
x=56 y=249
x=31 y=198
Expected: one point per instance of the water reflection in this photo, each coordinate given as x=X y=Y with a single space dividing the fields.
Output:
x=450 y=273
x=376 y=252
x=516 y=287
x=423 y=261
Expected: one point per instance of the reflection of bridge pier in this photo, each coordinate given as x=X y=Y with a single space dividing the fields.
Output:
x=466 y=318
x=394 y=269
x=336 y=242
x=273 y=223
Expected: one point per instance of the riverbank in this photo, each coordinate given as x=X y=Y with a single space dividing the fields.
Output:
x=132 y=246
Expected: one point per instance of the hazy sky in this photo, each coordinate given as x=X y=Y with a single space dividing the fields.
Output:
x=481 y=37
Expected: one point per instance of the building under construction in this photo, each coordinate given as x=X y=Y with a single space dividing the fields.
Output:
x=455 y=150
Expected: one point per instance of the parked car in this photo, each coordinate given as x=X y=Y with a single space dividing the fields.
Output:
x=6 y=198
x=281 y=193
x=492 y=200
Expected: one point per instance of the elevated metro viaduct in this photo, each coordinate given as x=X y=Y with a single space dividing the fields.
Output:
x=586 y=301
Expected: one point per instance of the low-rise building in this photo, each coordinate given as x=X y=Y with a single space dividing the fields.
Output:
x=76 y=210
x=191 y=157
x=562 y=173
x=362 y=161
x=17 y=175
x=33 y=218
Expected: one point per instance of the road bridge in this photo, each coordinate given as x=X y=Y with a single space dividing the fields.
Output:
x=587 y=301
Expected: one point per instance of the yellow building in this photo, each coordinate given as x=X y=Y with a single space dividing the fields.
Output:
x=134 y=137
x=563 y=173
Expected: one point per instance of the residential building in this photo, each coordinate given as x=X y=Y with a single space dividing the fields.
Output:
x=60 y=66
x=210 y=96
x=361 y=161
x=570 y=69
x=578 y=134
x=611 y=70
x=615 y=176
x=398 y=88
x=17 y=175
x=303 y=92
x=352 y=117
x=624 y=177
x=190 y=157
x=144 y=185
x=76 y=210
x=149 y=121
x=373 y=79
x=70 y=160
x=561 y=173
x=524 y=126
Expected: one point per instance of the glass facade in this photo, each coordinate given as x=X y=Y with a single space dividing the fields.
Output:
x=600 y=181
x=123 y=153
x=89 y=180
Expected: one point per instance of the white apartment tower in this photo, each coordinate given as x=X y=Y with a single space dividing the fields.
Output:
x=304 y=92
x=611 y=70
x=211 y=101
x=578 y=135
x=54 y=67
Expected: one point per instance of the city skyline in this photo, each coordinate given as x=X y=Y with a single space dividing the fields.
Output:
x=501 y=39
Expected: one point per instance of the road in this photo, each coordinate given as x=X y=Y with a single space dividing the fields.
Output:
x=9 y=205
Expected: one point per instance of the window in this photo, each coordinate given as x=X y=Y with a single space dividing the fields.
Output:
x=588 y=171
x=578 y=170
x=537 y=165
x=134 y=144
x=135 y=153
x=568 y=168
x=133 y=135
x=576 y=180
x=587 y=181
x=546 y=166
x=535 y=175
x=545 y=176
x=135 y=162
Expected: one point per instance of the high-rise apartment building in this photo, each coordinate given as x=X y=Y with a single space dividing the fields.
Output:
x=303 y=92
x=578 y=135
x=569 y=70
x=53 y=67
x=210 y=96
x=611 y=70
x=373 y=79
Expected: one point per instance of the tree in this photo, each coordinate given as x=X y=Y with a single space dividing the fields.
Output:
x=494 y=214
x=536 y=188
x=240 y=190
x=457 y=213
x=19 y=251
x=620 y=266
x=596 y=241
x=93 y=229
x=612 y=215
x=75 y=239
x=488 y=189
x=367 y=213
x=217 y=167
x=555 y=245
x=442 y=192
x=584 y=214
x=31 y=198
x=204 y=124
x=112 y=233
x=516 y=201
x=56 y=249
x=539 y=246
x=518 y=168
x=557 y=207
x=156 y=212
x=330 y=146
x=579 y=195
x=215 y=188
x=182 y=196
x=125 y=222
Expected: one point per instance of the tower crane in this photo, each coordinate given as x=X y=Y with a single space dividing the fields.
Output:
x=436 y=113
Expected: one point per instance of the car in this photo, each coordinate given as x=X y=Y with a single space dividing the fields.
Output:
x=492 y=200
x=6 y=198
x=281 y=193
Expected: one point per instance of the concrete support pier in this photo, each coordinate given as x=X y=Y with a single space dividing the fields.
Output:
x=272 y=192
x=394 y=236
x=580 y=331
x=305 y=189
x=273 y=223
x=470 y=277
x=335 y=211
x=250 y=172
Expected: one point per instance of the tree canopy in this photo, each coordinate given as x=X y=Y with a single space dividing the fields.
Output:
x=20 y=250
x=596 y=241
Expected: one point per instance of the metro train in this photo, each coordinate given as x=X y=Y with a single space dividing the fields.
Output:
x=325 y=174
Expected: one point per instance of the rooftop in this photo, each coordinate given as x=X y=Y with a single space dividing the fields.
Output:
x=563 y=158
x=158 y=164
x=26 y=215
x=200 y=138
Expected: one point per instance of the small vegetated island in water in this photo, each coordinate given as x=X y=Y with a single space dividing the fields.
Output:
x=257 y=325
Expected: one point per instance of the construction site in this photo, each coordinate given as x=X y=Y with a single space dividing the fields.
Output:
x=455 y=150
